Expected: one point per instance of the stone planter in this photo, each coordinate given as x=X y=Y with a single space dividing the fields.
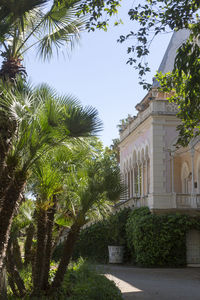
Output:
x=116 y=254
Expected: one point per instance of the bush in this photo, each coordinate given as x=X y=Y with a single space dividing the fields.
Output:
x=158 y=240
x=81 y=282
x=85 y=283
x=94 y=240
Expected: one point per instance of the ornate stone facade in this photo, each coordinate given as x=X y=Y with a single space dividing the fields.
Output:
x=157 y=174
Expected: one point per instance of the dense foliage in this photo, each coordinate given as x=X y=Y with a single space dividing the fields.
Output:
x=87 y=284
x=81 y=282
x=154 y=17
x=34 y=123
x=159 y=240
x=35 y=25
x=72 y=178
x=94 y=240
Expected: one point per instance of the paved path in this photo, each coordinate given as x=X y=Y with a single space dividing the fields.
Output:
x=155 y=284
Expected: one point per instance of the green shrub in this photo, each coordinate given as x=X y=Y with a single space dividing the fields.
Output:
x=94 y=240
x=81 y=282
x=158 y=240
x=84 y=283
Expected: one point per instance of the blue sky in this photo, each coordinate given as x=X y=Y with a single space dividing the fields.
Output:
x=96 y=72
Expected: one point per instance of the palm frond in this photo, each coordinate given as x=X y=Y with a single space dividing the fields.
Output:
x=25 y=24
x=12 y=11
x=62 y=35
x=81 y=121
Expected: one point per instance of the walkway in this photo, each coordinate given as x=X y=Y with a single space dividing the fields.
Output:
x=155 y=284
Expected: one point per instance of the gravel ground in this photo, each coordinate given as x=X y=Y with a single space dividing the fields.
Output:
x=155 y=284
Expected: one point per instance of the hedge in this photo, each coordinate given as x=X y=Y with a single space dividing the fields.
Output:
x=94 y=240
x=159 y=240
x=150 y=240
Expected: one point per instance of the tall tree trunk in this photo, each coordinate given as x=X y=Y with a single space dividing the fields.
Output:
x=28 y=244
x=12 y=286
x=66 y=255
x=40 y=251
x=17 y=254
x=11 y=201
x=3 y=284
x=11 y=67
x=48 y=250
x=13 y=272
x=7 y=130
x=6 y=178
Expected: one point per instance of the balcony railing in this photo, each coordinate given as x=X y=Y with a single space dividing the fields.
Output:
x=135 y=201
x=180 y=201
x=187 y=201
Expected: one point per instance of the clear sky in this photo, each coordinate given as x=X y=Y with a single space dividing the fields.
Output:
x=96 y=72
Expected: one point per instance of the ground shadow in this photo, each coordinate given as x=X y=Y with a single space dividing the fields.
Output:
x=155 y=284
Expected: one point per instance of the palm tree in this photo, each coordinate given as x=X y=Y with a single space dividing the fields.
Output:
x=48 y=184
x=43 y=121
x=27 y=24
x=89 y=194
x=73 y=184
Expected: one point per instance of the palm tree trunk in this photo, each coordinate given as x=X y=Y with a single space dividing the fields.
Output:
x=6 y=178
x=7 y=131
x=3 y=284
x=12 y=286
x=10 y=203
x=17 y=254
x=13 y=272
x=11 y=67
x=48 y=250
x=40 y=252
x=28 y=244
x=66 y=255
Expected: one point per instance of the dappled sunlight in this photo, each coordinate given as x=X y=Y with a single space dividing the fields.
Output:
x=123 y=285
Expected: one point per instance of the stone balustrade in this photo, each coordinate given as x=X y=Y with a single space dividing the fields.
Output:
x=187 y=201
x=182 y=201
x=158 y=106
x=132 y=203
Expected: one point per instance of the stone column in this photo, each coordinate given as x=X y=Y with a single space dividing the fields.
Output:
x=133 y=180
x=146 y=162
x=129 y=190
x=192 y=161
x=172 y=162
x=142 y=179
x=126 y=182
x=131 y=183
x=139 y=192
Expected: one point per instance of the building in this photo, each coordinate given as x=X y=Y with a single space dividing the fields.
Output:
x=159 y=175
